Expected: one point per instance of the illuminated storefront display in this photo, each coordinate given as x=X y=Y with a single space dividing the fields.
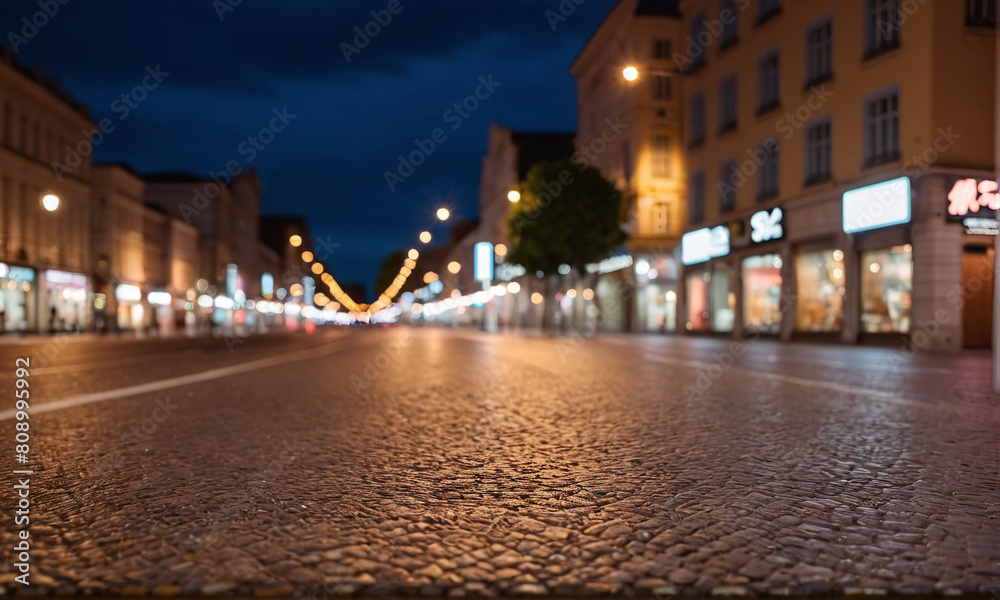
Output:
x=656 y=278
x=66 y=306
x=711 y=305
x=762 y=293
x=820 y=281
x=886 y=290
x=17 y=294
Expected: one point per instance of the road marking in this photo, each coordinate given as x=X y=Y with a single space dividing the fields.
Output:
x=165 y=384
x=817 y=383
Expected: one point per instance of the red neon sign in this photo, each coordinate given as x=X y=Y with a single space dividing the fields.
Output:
x=967 y=196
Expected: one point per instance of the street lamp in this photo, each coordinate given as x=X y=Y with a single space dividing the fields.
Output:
x=630 y=73
x=514 y=196
x=295 y=241
x=426 y=237
x=454 y=267
x=50 y=202
x=443 y=214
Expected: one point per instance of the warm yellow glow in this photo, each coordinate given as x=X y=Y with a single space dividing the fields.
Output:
x=443 y=214
x=571 y=293
x=500 y=250
x=50 y=202
x=317 y=268
x=513 y=287
x=295 y=290
x=454 y=267
x=588 y=294
x=409 y=263
x=307 y=256
x=430 y=277
x=426 y=237
x=537 y=298
x=513 y=195
x=413 y=255
x=406 y=271
x=630 y=73
x=295 y=241
x=327 y=278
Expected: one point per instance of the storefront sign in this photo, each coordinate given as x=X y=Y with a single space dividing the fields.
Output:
x=704 y=245
x=159 y=298
x=876 y=206
x=128 y=293
x=22 y=274
x=981 y=226
x=231 y=274
x=509 y=272
x=971 y=196
x=766 y=226
x=483 y=261
x=53 y=277
x=610 y=265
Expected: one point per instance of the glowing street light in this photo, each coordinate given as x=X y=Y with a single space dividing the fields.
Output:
x=443 y=214
x=295 y=241
x=50 y=202
x=307 y=256
x=426 y=237
x=317 y=268
x=454 y=267
x=430 y=277
x=514 y=195
x=413 y=254
x=500 y=249
x=630 y=73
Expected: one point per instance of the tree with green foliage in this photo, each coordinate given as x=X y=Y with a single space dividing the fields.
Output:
x=568 y=214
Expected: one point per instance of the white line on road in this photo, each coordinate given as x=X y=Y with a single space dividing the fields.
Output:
x=157 y=386
x=816 y=383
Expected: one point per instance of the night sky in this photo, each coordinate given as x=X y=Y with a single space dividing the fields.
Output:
x=227 y=75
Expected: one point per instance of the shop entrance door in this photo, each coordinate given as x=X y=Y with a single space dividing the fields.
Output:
x=977 y=284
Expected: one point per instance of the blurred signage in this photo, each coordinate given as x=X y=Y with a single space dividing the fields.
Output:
x=981 y=226
x=128 y=293
x=766 y=226
x=159 y=298
x=973 y=197
x=308 y=290
x=878 y=205
x=267 y=285
x=703 y=245
x=63 y=278
x=16 y=273
x=483 y=263
x=610 y=265
x=509 y=272
x=231 y=283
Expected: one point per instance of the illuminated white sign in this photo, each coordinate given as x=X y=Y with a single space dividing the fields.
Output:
x=483 y=261
x=610 y=265
x=876 y=206
x=159 y=298
x=981 y=226
x=128 y=293
x=231 y=283
x=968 y=195
x=508 y=272
x=766 y=226
x=704 y=245
x=267 y=285
x=63 y=278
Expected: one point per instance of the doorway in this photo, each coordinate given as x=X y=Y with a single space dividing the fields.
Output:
x=977 y=285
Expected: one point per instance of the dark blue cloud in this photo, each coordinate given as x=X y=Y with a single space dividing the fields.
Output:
x=352 y=120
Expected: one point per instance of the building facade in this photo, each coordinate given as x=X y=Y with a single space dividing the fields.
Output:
x=45 y=254
x=629 y=102
x=836 y=181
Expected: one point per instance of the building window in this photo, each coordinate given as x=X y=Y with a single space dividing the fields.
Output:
x=767 y=176
x=661 y=49
x=820 y=281
x=818 y=152
x=886 y=290
x=882 y=129
x=661 y=219
x=727 y=104
x=981 y=13
x=661 y=156
x=881 y=26
x=762 y=293
x=768 y=95
x=727 y=186
x=697 y=119
x=663 y=88
x=728 y=12
x=696 y=197
x=766 y=9
x=819 y=53
x=699 y=28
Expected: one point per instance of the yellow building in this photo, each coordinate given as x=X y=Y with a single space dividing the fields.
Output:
x=631 y=129
x=839 y=162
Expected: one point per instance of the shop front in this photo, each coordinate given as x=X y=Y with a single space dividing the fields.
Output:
x=17 y=299
x=656 y=283
x=710 y=303
x=131 y=312
x=65 y=298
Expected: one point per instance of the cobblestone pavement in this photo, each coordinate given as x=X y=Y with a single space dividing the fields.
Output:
x=446 y=462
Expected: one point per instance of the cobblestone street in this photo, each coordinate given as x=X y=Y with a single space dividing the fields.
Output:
x=447 y=462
